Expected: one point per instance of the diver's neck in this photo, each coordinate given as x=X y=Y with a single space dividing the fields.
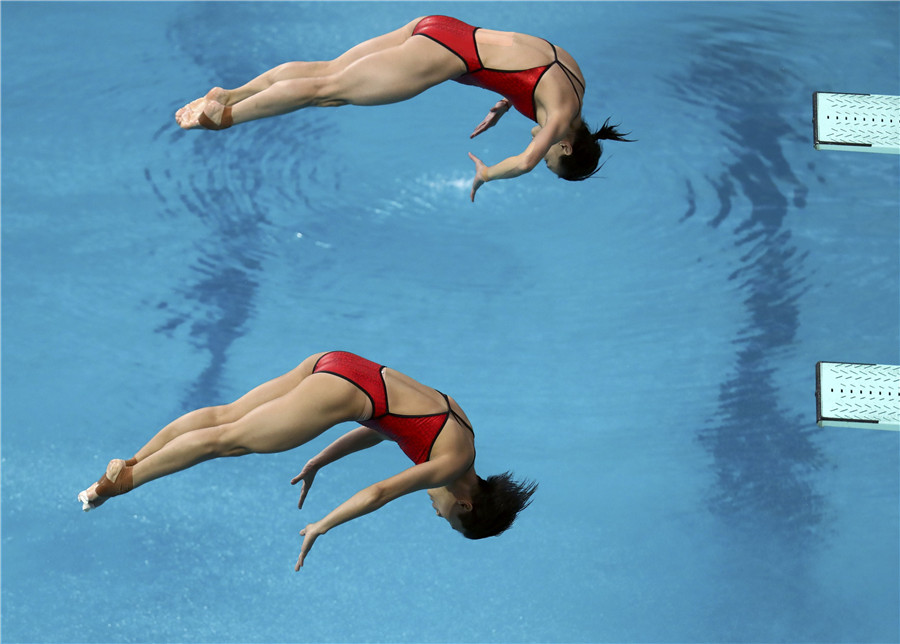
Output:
x=465 y=486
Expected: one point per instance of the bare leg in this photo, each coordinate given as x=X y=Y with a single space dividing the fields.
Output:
x=388 y=76
x=222 y=414
x=374 y=74
x=317 y=69
x=188 y=115
x=206 y=417
x=317 y=403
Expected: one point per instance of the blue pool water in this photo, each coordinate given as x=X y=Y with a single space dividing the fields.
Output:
x=643 y=344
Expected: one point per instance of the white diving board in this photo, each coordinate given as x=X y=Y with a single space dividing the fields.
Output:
x=856 y=122
x=858 y=395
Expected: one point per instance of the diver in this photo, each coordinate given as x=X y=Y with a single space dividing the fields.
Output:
x=324 y=390
x=540 y=80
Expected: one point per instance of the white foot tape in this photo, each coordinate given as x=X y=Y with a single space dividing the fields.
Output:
x=86 y=505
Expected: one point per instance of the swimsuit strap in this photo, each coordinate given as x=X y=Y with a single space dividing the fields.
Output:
x=569 y=73
x=454 y=414
x=553 y=47
x=461 y=422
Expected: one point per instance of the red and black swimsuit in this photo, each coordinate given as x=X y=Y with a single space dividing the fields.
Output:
x=517 y=85
x=414 y=434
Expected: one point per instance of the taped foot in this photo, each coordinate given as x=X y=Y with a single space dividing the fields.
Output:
x=207 y=122
x=117 y=480
x=210 y=112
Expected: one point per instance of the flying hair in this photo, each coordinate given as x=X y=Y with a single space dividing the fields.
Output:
x=584 y=161
x=611 y=133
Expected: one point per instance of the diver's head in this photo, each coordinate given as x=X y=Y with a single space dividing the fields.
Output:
x=577 y=157
x=447 y=506
x=555 y=154
x=489 y=509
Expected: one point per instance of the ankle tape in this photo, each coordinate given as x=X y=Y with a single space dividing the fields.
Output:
x=121 y=485
x=227 y=120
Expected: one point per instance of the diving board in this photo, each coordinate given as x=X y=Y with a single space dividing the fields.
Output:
x=856 y=122
x=858 y=395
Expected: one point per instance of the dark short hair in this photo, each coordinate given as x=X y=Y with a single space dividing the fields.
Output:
x=496 y=505
x=586 y=151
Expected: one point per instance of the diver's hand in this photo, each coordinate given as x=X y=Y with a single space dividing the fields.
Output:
x=480 y=175
x=491 y=119
x=307 y=475
x=310 y=533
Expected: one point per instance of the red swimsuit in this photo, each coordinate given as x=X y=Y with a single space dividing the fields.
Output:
x=518 y=86
x=414 y=434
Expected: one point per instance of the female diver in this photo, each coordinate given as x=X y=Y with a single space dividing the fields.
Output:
x=324 y=390
x=540 y=80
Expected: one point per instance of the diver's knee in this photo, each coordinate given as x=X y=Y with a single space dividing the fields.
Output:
x=329 y=91
x=224 y=414
x=228 y=442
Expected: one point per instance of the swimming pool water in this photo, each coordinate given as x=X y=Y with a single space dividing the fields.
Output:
x=642 y=343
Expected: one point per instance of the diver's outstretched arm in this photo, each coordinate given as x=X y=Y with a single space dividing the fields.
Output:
x=353 y=441
x=520 y=164
x=434 y=473
x=501 y=108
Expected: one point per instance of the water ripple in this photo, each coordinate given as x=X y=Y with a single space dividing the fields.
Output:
x=231 y=196
x=763 y=453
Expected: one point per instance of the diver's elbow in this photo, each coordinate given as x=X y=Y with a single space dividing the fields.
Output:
x=526 y=165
